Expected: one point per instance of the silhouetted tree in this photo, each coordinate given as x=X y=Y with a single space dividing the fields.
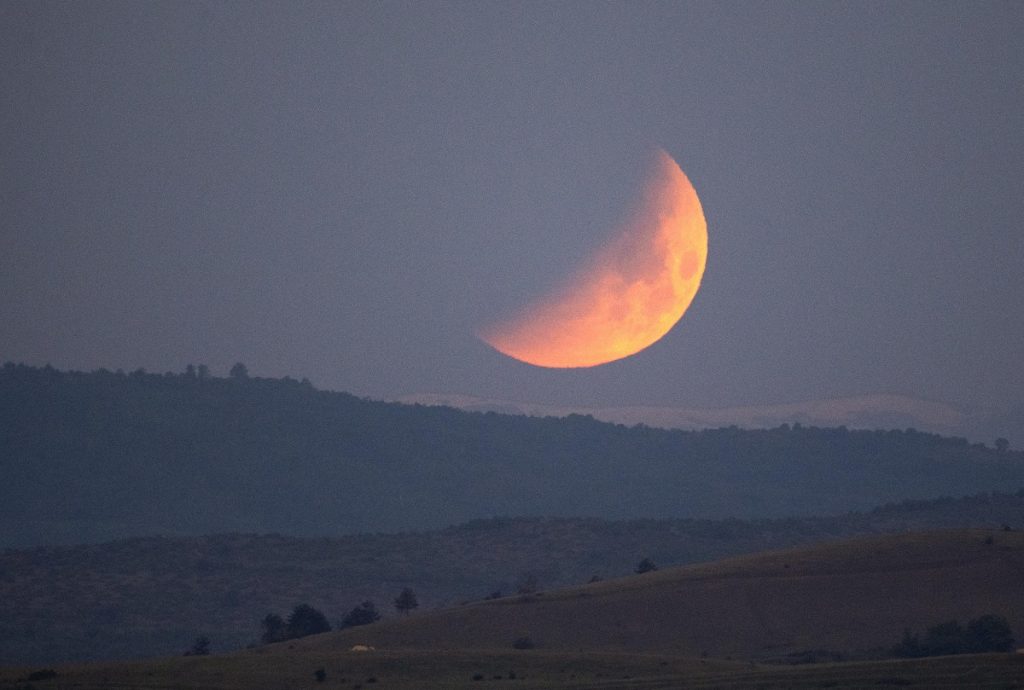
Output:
x=274 y=629
x=306 y=620
x=203 y=371
x=527 y=584
x=645 y=566
x=909 y=647
x=1002 y=445
x=239 y=371
x=406 y=601
x=41 y=674
x=364 y=614
x=201 y=647
x=988 y=633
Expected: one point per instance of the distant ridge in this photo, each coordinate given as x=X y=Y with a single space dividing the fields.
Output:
x=89 y=457
x=881 y=411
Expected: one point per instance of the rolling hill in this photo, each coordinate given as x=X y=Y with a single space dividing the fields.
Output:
x=652 y=630
x=153 y=596
x=89 y=457
x=847 y=597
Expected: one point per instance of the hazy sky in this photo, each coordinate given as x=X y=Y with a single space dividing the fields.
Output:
x=348 y=191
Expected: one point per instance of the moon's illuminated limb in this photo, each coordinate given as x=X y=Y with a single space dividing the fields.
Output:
x=627 y=296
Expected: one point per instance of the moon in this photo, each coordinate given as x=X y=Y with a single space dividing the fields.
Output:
x=629 y=294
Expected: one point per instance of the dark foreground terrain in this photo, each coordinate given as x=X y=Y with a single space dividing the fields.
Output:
x=295 y=669
x=726 y=624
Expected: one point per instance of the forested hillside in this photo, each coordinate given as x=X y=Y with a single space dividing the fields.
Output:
x=94 y=456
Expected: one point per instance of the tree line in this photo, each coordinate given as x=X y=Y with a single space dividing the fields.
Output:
x=988 y=633
x=305 y=620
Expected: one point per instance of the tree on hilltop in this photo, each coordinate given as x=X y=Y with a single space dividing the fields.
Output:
x=527 y=583
x=645 y=566
x=274 y=629
x=406 y=601
x=364 y=614
x=306 y=620
x=201 y=647
x=990 y=634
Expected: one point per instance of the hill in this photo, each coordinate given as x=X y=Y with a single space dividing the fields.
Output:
x=651 y=630
x=153 y=596
x=96 y=456
x=846 y=597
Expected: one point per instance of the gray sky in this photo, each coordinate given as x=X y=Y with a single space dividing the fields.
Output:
x=347 y=191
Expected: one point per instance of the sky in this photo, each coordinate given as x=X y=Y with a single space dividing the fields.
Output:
x=348 y=192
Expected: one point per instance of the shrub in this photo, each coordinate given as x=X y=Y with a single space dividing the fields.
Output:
x=645 y=566
x=42 y=674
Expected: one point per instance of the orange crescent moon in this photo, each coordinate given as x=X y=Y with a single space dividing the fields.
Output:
x=626 y=297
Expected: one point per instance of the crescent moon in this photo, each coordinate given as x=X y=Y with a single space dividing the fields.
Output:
x=628 y=295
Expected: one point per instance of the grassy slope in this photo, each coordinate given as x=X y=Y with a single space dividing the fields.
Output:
x=856 y=593
x=848 y=596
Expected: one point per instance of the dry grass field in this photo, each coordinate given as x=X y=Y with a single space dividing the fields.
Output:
x=848 y=596
x=651 y=631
